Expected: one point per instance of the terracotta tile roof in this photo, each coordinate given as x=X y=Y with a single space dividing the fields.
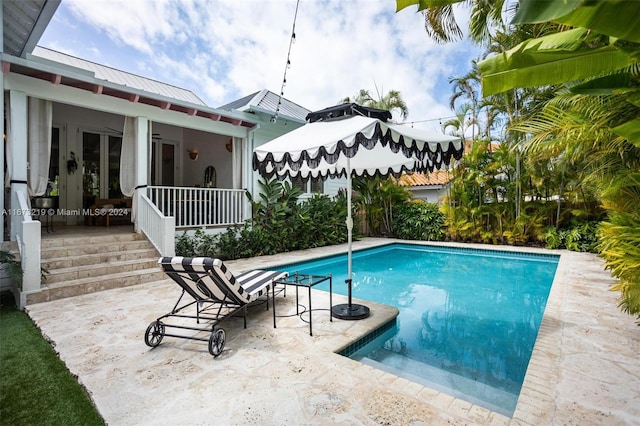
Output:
x=437 y=177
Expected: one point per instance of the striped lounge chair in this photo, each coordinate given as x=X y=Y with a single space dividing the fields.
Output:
x=217 y=295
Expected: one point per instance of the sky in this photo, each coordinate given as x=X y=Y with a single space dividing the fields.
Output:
x=223 y=50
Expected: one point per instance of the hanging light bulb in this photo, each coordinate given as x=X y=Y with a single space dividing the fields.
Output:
x=288 y=65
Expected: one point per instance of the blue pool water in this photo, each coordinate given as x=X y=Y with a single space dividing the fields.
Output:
x=468 y=318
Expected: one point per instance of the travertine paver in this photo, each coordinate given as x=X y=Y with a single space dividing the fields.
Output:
x=584 y=369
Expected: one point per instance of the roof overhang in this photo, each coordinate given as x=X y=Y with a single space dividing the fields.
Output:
x=24 y=22
x=254 y=105
x=85 y=80
x=257 y=109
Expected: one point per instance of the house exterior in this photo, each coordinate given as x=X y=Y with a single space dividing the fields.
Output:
x=428 y=187
x=81 y=136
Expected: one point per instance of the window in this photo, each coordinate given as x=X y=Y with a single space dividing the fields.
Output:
x=317 y=185
x=311 y=186
x=297 y=182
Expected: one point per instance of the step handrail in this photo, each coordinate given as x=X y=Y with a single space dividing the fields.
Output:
x=158 y=228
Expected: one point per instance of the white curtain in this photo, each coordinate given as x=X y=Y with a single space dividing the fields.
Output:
x=128 y=157
x=39 y=144
x=236 y=163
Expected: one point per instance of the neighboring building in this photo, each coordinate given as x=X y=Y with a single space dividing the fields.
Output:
x=430 y=187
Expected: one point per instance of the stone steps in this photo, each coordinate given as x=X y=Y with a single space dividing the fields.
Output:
x=81 y=265
x=57 y=263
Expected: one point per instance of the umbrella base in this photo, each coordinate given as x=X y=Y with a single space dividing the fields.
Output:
x=351 y=311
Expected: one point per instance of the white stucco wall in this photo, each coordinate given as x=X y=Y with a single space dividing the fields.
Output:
x=429 y=194
x=211 y=152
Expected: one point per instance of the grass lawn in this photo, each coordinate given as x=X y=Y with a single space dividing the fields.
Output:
x=35 y=385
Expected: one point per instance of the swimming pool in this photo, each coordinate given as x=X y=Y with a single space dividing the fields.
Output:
x=468 y=318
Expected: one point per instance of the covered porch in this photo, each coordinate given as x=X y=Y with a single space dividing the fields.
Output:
x=186 y=163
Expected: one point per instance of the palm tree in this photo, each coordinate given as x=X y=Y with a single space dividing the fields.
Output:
x=392 y=101
x=467 y=87
x=441 y=25
x=458 y=125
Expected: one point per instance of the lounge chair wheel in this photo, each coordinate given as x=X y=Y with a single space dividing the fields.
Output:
x=154 y=334
x=216 y=342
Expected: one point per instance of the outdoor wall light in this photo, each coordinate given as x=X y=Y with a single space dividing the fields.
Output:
x=193 y=154
x=229 y=145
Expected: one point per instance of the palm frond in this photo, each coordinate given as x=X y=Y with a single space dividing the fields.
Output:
x=440 y=24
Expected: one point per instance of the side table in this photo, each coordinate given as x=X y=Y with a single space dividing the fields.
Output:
x=308 y=281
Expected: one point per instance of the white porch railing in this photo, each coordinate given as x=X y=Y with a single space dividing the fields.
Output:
x=199 y=207
x=28 y=239
x=159 y=229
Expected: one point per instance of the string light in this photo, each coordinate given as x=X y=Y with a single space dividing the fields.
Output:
x=439 y=120
x=287 y=64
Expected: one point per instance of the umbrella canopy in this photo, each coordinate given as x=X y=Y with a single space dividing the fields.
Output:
x=348 y=140
x=374 y=148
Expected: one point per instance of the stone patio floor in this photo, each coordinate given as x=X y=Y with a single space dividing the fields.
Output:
x=584 y=369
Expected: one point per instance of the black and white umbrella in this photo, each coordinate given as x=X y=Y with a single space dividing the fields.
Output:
x=347 y=140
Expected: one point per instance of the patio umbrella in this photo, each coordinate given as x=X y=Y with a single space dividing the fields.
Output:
x=347 y=140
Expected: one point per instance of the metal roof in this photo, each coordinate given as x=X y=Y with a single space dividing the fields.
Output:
x=266 y=102
x=103 y=72
x=23 y=22
x=66 y=75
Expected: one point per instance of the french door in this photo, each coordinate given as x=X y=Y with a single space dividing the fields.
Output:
x=163 y=163
x=100 y=167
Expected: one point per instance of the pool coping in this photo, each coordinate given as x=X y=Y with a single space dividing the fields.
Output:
x=583 y=370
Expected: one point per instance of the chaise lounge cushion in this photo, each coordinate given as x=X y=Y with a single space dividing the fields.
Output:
x=207 y=279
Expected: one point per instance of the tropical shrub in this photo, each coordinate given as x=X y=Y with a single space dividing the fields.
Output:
x=376 y=197
x=418 y=220
x=199 y=244
x=620 y=246
x=582 y=237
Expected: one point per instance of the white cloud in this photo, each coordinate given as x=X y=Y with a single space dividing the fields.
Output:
x=225 y=49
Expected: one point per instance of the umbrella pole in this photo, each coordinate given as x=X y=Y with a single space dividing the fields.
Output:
x=349 y=229
x=349 y=311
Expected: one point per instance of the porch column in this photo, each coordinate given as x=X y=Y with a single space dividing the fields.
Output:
x=4 y=133
x=247 y=169
x=17 y=155
x=142 y=161
x=28 y=230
